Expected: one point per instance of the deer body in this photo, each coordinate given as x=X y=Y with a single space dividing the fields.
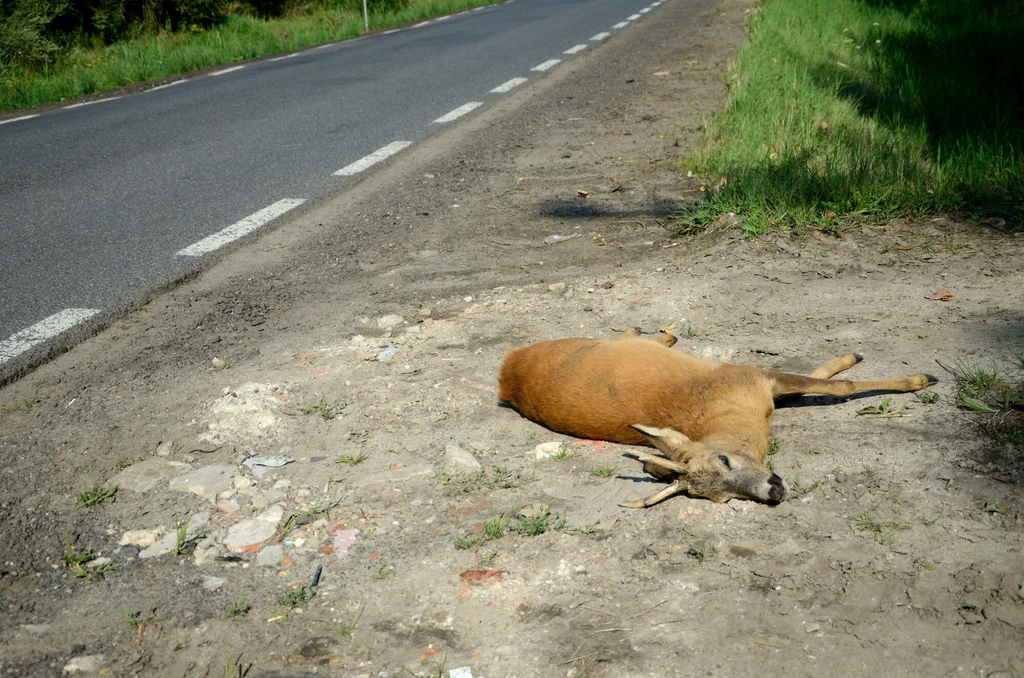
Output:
x=709 y=419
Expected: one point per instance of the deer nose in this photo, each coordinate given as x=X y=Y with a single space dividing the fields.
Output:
x=777 y=491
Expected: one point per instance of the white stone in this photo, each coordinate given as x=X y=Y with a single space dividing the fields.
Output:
x=147 y=474
x=141 y=538
x=162 y=547
x=458 y=458
x=87 y=664
x=213 y=583
x=206 y=481
x=247 y=535
x=269 y=556
x=248 y=413
x=389 y=321
x=547 y=450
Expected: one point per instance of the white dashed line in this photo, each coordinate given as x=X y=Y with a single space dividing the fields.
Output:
x=506 y=86
x=227 y=70
x=372 y=159
x=634 y=17
x=599 y=37
x=645 y=10
x=45 y=329
x=170 y=84
x=24 y=117
x=286 y=56
x=550 y=63
x=459 y=112
x=621 y=24
x=90 y=103
x=575 y=50
x=237 y=230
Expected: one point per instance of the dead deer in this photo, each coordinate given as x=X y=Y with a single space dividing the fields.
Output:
x=708 y=419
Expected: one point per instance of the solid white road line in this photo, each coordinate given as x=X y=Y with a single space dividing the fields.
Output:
x=600 y=36
x=286 y=56
x=550 y=63
x=90 y=103
x=373 y=158
x=45 y=329
x=170 y=84
x=506 y=86
x=576 y=49
x=24 y=117
x=227 y=70
x=459 y=112
x=237 y=230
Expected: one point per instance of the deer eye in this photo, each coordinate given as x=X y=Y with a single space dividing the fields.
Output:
x=725 y=460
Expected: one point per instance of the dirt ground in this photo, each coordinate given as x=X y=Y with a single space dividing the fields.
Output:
x=361 y=342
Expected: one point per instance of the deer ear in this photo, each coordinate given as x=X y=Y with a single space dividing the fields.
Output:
x=670 y=442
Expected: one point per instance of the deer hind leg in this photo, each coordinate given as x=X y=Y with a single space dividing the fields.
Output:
x=836 y=365
x=784 y=385
x=663 y=338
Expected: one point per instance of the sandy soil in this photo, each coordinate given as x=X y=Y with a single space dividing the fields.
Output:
x=390 y=307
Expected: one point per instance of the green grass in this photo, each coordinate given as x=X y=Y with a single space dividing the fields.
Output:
x=499 y=478
x=86 y=69
x=96 y=495
x=867 y=109
x=352 y=459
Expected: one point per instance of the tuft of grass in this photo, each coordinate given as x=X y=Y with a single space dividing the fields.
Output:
x=96 y=495
x=563 y=452
x=884 y=532
x=352 y=459
x=852 y=110
x=326 y=410
x=995 y=506
x=927 y=397
x=774 y=445
x=604 y=471
x=381 y=573
x=537 y=519
x=239 y=609
x=984 y=388
x=499 y=478
x=881 y=409
x=492 y=529
x=347 y=628
x=296 y=596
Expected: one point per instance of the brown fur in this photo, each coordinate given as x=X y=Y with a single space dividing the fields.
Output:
x=709 y=418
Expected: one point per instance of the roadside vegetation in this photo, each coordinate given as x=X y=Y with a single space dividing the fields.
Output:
x=51 y=50
x=868 y=109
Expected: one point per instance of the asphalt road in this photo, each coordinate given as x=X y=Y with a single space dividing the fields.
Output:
x=100 y=204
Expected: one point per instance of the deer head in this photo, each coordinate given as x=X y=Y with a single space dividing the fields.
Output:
x=713 y=470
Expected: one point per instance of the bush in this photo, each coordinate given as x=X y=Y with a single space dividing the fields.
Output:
x=23 y=28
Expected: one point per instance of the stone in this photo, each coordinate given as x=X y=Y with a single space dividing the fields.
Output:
x=813 y=627
x=269 y=556
x=547 y=450
x=206 y=481
x=343 y=540
x=251 y=412
x=88 y=664
x=557 y=288
x=164 y=449
x=388 y=321
x=162 y=547
x=249 y=535
x=141 y=538
x=457 y=458
x=461 y=672
x=147 y=474
x=213 y=583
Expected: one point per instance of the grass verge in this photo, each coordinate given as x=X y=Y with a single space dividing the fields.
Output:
x=86 y=69
x=867 y=109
